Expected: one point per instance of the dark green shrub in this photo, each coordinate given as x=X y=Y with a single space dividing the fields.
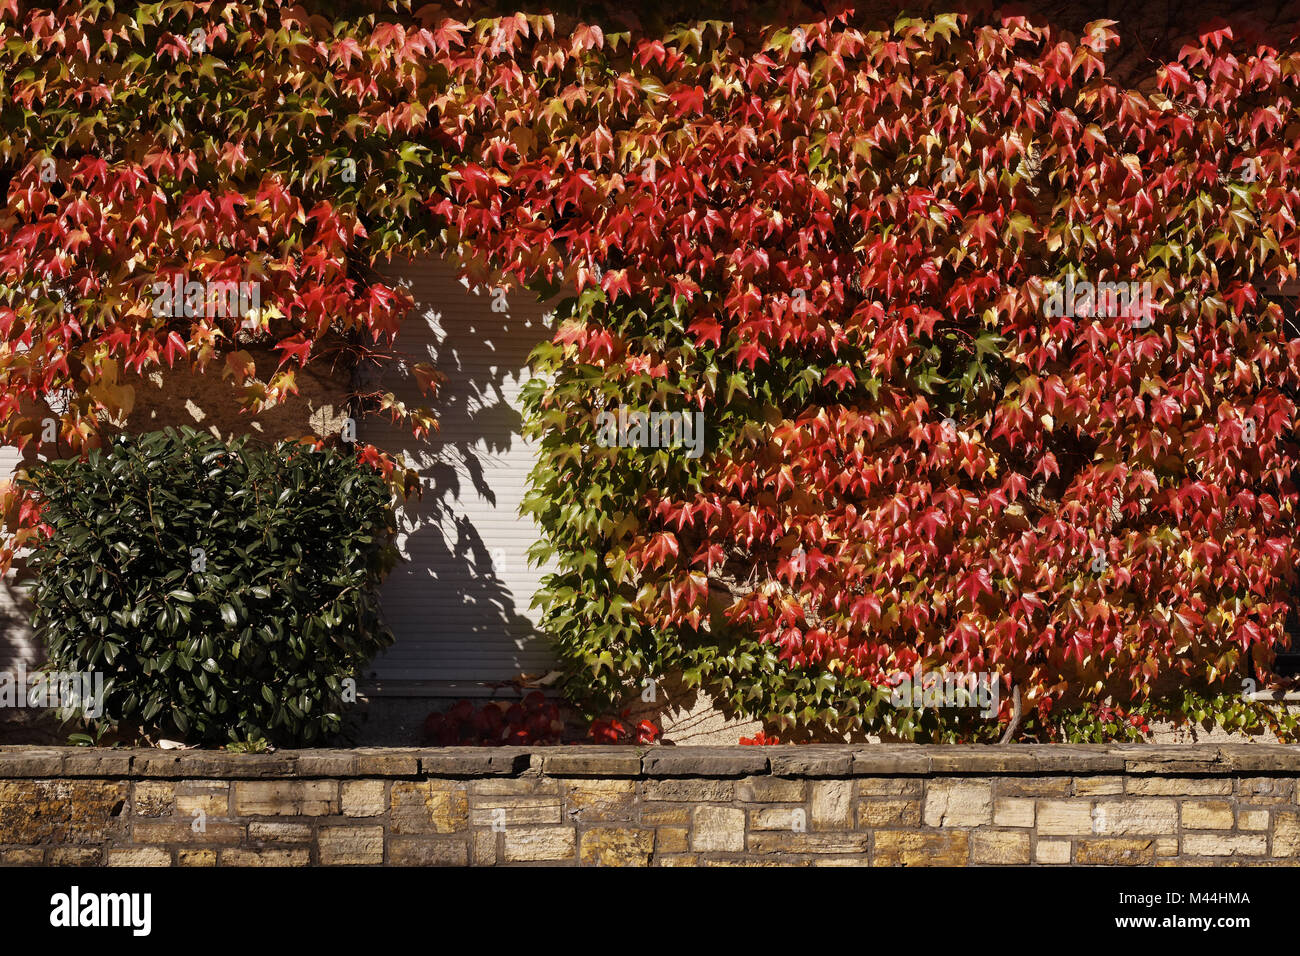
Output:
x=225 y=591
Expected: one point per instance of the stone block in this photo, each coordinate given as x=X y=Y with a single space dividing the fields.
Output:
x=1064 y=817
x=1116 y=852
x=152 y=798
x=350 y=846
x=281 y=798
x=437 y=851
x=688 y=791
x=428 y=806
x=258 y=856
x=139 y=856
x=718 y=830
x=540 y=844
x=364 y=798
x=913 y=848
x=1052 y=851
x=616 y=846
x=889 y=813
x=958 y=803
x=1124 y=817
x=1224 y=844
x=1207 y=815
x=771 y=790
x=600 y=800
x=999 y=847
x=832 y=805
x=1013 y=812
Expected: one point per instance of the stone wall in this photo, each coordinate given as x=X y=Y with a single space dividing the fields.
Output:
x=884 y=805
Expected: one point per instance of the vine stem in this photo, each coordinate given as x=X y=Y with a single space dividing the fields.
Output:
x=1015 y=715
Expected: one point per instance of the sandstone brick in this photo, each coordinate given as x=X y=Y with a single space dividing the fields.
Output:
x=718 y=829
x=351 y=846
x=716 y=791
x=859 y=860
x=536 y=844
x=912 y=848
x=672 y=840
x=61 y=811
x=1286 y=833
x=770 y=790
x=485 y=848
x=1013 y=812
x=212 y=804
x=324 y=763
x=778 y=818
x=95 y=762
x=888 y=787
x=831 y=760
x=182 y=831
x=889 y=813
x=1178 y=786
x=387 y=762
x=297 y=798
x=999 y=846
x=1169 y=760
x=1252 y=819
x=262 y=832
x=30 y=762
x=655 y=815
x=832 y=805
x=1257 y=757
x=1064 y=817
x=596 y=762
x=429 y=806
x=600 y=800
x=479 y=761
x=22 y=856
x=152 y=798
x=1034 y=786
x=704 y=761
x=76 y=856
x=784 y=841
x=1266 y=789
x=616 y=846
x=1098 y=786
x=196 y=788
x=877 y=761
x=958 y=803
x=435 y=851
x=196 y=857
x=1217 y=844
x=1052 y=851
x=1207 y=815
x=364 y=798
x=1123 y=817
x=139 y=856
x=1116 y=852
x=751 y=862
x=1167 y=846
x=515 y=811
x=523 y=786
x=257 y=856
x=683 y=859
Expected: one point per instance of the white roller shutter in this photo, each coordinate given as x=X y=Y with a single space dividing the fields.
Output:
x=459 y=606
x=16 y=642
